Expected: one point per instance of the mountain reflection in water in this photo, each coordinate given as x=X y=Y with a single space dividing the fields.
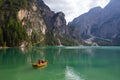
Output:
x=64 y=63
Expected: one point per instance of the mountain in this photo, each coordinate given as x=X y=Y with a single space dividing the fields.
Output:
x=84 y=22
x=101 y=26
x=31 y=22
x=109 y=26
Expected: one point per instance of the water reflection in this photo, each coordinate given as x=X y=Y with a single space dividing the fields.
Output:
x=53 y=55
x=59 y=56
x=12 y=56
x=63 y=63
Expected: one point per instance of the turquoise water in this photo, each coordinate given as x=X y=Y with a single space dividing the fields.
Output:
x=64 y=63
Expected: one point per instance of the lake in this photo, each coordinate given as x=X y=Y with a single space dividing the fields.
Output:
x=64 y=63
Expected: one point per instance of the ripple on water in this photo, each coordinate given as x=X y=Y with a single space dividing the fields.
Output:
x=70 y=74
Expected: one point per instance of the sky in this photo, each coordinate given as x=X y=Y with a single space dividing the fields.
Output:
x=74 y=8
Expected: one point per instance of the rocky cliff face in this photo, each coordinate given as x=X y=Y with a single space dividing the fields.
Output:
x=100 y=25
x=57 y=31
x=43 y=26
x=54 y=21
x=59 y=23
x=33 y=23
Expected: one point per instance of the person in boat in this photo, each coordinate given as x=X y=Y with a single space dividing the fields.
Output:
x=43 y=61
x=39 y=61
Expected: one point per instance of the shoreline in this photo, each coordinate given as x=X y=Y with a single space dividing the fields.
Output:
x=4 y=47
x=56 y=46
